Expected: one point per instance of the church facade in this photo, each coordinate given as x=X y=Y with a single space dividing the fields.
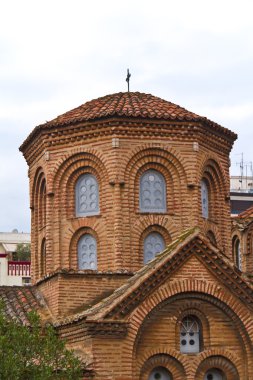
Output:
x=131 y=241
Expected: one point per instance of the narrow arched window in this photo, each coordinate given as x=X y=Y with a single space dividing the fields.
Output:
x=43 y=263
x=160 y=373
x=152 y=192
x=87 y=195
x=214 y=374
x=190 y=335
x=87 y=252
x=153 y=244
x=237 y=253
x=204 y=199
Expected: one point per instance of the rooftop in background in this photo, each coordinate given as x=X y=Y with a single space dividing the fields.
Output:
x=9 y=240
x=241 y=184
x=241 y=194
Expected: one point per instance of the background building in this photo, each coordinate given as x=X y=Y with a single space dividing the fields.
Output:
x=241 y=193
x=13 y=272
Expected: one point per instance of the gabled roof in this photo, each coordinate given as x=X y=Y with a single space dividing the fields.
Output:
x=153 y=274
x=127 y=104
x=19 y=301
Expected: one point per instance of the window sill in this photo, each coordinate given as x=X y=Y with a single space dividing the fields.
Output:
x=86 y=216
x=154 y=213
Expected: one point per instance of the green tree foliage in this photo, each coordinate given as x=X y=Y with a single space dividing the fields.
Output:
x=34 y=353
x=23 y=252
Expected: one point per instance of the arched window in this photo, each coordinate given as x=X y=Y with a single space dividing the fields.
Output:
x=152 y=192
x=43 y=258
x=237 y=252
x=87 y=252
x=87 y=195
x=190 y=335
x=153 y=244
x=204 y=199
x=160 y=373
x=214 y=374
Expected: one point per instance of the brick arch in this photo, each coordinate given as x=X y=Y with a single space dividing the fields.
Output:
x=213 y=174
x=39 y=217
x=70 y=184
x=164 y=162
x=64 y=180
x=210 y=160
x=213 y=229
x=222 y=362
x=152 y=228
x=36 y=181
x=94 y=228
x=68 y=159
x=249 y=240
x=160 y=223
x=168 y=361
x=194 y=289
x=73 y=260
x=192 y=308
x=145 y=151
x=68 y=173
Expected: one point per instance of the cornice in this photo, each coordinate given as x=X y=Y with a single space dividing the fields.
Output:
x=82 y=273
x=53 y=137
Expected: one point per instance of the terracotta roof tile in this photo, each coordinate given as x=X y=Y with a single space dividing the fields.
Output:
x=19 y=301
x=133 y=104
x=127 y=104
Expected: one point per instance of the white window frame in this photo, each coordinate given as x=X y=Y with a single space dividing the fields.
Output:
x=150 y=244
x=83 y=190
x=152 y=182
x=87 y=255
x=190 y=335
x=204 y=199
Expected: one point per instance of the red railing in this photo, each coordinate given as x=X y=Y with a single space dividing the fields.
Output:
x=19 y=268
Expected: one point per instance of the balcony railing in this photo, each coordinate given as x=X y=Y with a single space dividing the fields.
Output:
x=19 y=268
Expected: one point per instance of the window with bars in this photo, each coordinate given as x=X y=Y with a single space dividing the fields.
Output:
x=152 y=192
x=190 y=335
x=87 y=252
x=87 y=195
x=237 y=253
x=204 y=199
x=153 y=244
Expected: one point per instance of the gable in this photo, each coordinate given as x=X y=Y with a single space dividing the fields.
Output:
x=190 y=258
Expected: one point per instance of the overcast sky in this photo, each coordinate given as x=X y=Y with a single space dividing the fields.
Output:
x=56 y=54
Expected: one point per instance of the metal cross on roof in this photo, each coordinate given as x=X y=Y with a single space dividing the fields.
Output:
x=128 y=79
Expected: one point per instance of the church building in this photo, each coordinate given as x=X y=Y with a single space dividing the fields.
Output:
x=132 y=257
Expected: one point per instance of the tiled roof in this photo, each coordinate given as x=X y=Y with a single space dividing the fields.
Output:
x=127 y=104
x=133 y=104
x=19 y=301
